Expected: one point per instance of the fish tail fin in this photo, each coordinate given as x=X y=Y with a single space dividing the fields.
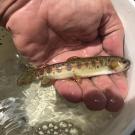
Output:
x=27 y=77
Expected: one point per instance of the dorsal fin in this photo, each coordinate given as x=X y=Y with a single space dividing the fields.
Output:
x=73 y=58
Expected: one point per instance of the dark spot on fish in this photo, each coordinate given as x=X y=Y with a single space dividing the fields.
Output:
x=104 y=62
x=58 y=67
x=109 y=60
x=98 y=66
x=93 y=62
x=53 y=72
x=40 y=71
x=98 y=63
x=68 y=66
x=86 y=64
x=0 y=43
x=48 y=69
x=79 y=65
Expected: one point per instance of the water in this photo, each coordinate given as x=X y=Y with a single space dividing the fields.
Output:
x=34 y=110
x=12 y=116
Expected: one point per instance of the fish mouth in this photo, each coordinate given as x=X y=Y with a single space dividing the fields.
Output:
x=127 y=65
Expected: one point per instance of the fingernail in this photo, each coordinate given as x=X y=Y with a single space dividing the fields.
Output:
x=95 y=100
x=114 y=101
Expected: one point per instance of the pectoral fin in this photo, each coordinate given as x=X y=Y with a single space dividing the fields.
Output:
x=45 y=82
x=72 y=58
x=77 y=79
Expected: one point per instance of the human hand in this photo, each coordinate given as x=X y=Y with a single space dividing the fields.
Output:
x=51 y=31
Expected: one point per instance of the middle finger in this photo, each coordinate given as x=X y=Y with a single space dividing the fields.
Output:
x=114 y=99
x=92 y=97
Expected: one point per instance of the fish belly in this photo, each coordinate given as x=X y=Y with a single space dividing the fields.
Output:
x=86 y=72
x=62 y=75
x=82 y=73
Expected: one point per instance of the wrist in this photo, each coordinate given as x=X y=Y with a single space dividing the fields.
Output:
x=8 y=7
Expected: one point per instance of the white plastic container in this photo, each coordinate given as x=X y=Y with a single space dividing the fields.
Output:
x=98 y=123
x=124 y=123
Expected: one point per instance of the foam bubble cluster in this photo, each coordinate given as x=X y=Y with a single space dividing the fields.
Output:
x=57 y=128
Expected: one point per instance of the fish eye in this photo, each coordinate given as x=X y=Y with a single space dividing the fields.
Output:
x=124 y=61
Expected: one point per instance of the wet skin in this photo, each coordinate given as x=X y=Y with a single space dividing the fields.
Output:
x=51 y=31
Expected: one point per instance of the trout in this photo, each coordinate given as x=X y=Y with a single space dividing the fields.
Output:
x=76 y=68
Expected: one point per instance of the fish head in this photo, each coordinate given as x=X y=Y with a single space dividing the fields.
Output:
x=125 y=63
x=119 y=65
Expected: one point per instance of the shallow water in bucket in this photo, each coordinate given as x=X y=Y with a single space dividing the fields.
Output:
x=36 y=110
x=33 y=110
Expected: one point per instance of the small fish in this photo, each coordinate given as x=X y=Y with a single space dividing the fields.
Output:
x=76 y=68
